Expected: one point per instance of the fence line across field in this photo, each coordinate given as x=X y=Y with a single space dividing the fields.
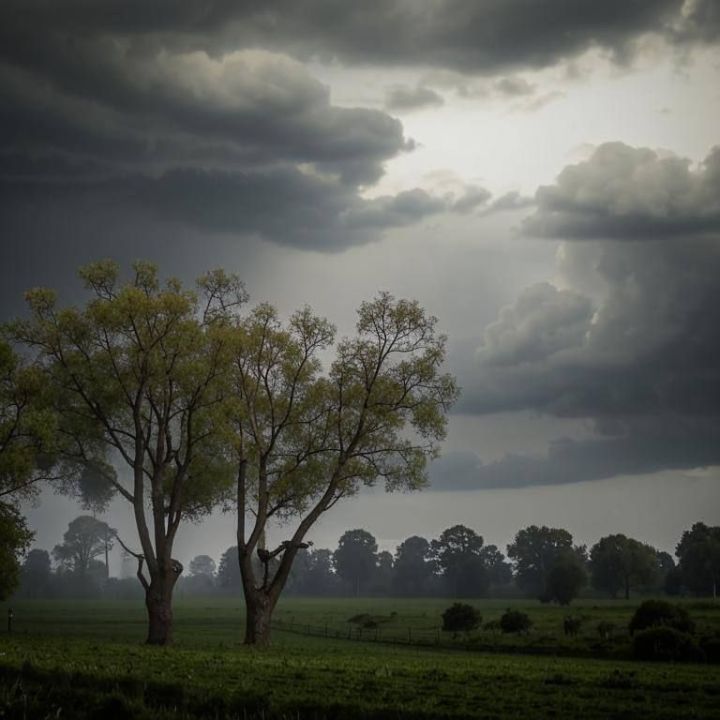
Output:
x=408 y=636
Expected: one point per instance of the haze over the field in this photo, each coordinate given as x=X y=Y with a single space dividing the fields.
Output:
x=544 y=177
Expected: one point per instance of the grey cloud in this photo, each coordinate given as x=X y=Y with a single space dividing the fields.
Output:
x=514 y=86
x=630 y=193
x=645 y=445
x=543 y=322
x=407 y=99
x=456 y=34
x=512 y=200
x=630 y=340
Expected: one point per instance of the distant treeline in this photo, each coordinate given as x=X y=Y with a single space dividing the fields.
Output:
x=541 y=562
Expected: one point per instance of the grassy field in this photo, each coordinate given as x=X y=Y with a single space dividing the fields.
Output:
x=86 y=660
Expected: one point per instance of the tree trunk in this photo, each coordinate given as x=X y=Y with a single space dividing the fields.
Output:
x=627 y=588
x=158 y=600
x=258 y=614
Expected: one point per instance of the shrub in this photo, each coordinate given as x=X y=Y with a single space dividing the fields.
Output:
x=514 y=621
x=653 y=613
x=572 y=625
x=666 y=643
x=461 y=618
x=711 y=647
x=606 y=629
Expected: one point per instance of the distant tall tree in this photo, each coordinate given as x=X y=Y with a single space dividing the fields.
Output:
x=619 y=563
x=565 y=578
x=534 y=551
x=459 y=555
x=313 y=573
x=86 y=539
x=699 y=558
x=202 y=565
x=228 y=573
x=36 y=574
x=384 y=571
x=356 y=559
x=414 y=567
x=498 y=568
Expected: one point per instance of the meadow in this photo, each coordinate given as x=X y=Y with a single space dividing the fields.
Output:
x=85 y=659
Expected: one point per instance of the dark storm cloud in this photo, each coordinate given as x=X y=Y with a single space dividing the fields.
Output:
x=457 y=34
x=642 y=445
x=630 y=341
x=407 y=99
x=630 y=193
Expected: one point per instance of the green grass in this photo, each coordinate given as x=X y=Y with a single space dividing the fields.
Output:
x=85 y=659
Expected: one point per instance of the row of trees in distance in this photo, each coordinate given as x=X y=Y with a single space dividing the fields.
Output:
x=542 y=562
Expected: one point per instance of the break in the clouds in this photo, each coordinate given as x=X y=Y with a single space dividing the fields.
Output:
x=630 y=339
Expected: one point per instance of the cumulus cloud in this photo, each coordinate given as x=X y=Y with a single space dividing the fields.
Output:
x=630 y=193
x=408 y=99
x=628 y=338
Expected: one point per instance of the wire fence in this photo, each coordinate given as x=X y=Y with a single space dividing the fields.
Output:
x=380 y=633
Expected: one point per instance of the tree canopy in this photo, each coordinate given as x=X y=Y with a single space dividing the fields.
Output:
x=136 y=374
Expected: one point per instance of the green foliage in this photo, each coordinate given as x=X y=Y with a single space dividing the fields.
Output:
x=565 y=578
x=666 y=643
x=85 y=539
x=620 y=563
x=652 y=613
x=699 y=555
x=461 y=617
x=27 y=425
x=515 y=621
x=15 y=538
x=355 y=559
x=535 y=551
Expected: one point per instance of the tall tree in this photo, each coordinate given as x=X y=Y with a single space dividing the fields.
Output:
x=355 y=559
x=15 y=537
x=36 y=574
x=305 y=440
x=534 y=552
x=619 y=563
x=202 y=565
x=458 y=552
x=27 y=426
x=138 y=372
x=698 y=553
x=414 y=567
x=86 y=539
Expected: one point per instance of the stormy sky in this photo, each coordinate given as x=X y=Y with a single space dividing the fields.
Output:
x=543 y=176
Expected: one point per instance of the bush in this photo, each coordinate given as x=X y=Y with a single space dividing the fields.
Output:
x=606 y=629
x=666 y=643
x=711 y=647
x=461 y=618
x=572 y=625
x=654 y=613
x=514 y=621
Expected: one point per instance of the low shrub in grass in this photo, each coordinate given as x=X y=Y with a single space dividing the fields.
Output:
x=461 y=617
x=666 y=643
x=654 y=613
x=514 y=621
x=711 y=647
